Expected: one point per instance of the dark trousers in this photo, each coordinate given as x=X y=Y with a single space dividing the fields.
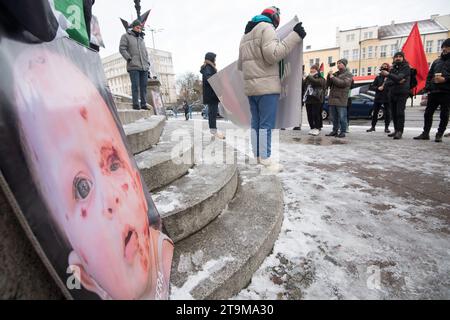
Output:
x=398 y=105
x=434 y=101
x=349 y=107
x=212 y=115
x=314 y=115
x=321 y=119
x=186 y=115
x=387 y=114
x=139 y=87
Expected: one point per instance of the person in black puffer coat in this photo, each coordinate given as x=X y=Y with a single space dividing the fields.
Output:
x=398 y=83
x=208 y=69
x=381 y=100
x=438 y=88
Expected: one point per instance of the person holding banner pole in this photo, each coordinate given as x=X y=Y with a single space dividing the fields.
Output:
x=261 y=55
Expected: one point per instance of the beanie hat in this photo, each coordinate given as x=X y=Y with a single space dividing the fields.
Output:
x=211 y=56
x=274 y=14
x=136 y=23
x=446 y=43
x=400 y=53
x=343 y=61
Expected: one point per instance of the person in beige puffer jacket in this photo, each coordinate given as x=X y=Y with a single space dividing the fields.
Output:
x=260 y=59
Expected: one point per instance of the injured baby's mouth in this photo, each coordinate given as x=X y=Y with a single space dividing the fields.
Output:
x=131 y=243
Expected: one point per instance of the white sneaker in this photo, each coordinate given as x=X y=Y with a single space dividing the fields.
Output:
x=316 y=132
x=311 y=132
x=271 y=167
x=218 y=135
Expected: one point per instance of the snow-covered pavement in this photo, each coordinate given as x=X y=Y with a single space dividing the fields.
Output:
x=364 y=219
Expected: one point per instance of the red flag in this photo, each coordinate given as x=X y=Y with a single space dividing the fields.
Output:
x=415 y=55
x=322 y=70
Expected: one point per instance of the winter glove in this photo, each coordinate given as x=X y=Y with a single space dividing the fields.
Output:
x=300 y=30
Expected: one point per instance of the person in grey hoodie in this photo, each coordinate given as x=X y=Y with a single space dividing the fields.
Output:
x=133 y=50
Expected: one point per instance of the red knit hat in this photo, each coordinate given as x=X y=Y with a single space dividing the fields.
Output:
x=274 y=14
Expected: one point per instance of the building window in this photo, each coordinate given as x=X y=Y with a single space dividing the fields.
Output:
x=369 y=71
x=370 y=52
x=350 y=37
x=383 y=50
x=370 y=35
x=363 y=72
x=330 y=60
x=355 y=72
x=363 y=53
x=394 y=49
x=439 y=45
x=365 y=35
x=429 y=46
x=355 y=54
x=317 y=60
x=346 y=54
x=311 y=62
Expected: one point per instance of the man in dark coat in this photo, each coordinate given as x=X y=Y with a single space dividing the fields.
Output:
x=381 y=100
x=208 y=69
x=399 y=85
x=438 y=88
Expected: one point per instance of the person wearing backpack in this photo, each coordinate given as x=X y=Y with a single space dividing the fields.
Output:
x=438 y=88
x=398 y=82
x=314 y=94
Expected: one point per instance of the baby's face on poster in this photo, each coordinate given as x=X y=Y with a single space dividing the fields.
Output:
x=84 y=172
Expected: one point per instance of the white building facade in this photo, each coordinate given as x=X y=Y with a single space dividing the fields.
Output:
x=161 y=67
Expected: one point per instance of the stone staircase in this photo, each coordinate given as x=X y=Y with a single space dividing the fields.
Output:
x=224 y=218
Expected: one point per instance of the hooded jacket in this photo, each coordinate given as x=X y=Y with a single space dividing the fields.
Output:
x=399 y=79
x=208 y=69
x=132 y=48
x=260 y=51
x=440 y=65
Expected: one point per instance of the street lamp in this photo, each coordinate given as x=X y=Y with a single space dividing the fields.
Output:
x=153 y=31
x=137 y=5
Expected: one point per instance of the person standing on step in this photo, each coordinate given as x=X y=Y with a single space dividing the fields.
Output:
x=438 y=88
x=340 y=83
x=261 y=55
x=208 y=69
x=314 y=86
x=381 y=100
x=398 y=83
x=186 y=110
x=133 y=50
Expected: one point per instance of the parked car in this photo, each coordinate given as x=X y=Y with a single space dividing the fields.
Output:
x=362 y=107
x=205 y=113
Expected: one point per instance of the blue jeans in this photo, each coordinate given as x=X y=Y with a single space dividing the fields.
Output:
x=339 y=117
x=139 y=85
x=264 y=112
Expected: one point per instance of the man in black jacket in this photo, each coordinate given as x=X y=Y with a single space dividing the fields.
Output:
x=381 y=100
x=398 y=83
x=208 y=69
x=438 y=88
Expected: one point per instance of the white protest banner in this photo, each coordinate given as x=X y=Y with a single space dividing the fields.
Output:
x=229 y=87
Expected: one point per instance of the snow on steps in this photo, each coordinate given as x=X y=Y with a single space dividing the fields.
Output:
x=130 y=116
x=220 y=260
x=144 y=133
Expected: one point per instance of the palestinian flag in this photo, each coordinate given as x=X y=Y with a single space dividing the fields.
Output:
x=73 y=10
x=322 y=70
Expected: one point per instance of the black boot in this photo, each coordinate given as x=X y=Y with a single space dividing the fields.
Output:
x=332 y=134
x=438 y=137
x=392 y=134
x=422 y=136
x=296 y=128
x=371 y=129
x=398 y=135
x=386 y=130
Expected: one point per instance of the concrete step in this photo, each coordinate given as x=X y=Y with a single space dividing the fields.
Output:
x=193 y=201
x=170 y=159
x=220 y=260
x=129 y=106
x=144 y=133
x=130 y=116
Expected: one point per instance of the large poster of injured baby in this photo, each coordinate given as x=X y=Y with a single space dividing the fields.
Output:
x=79 y=193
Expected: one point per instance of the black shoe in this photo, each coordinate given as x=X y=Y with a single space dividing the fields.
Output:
x=422 y=136
x=341 y=135
x=145 y=108
x=387 y=130
x=332 y=134
x=370 y=130
x=136 y=108
x=283 y=129
x=392 y=134
x=398 y=135
x=438 y=137
x=297 y=129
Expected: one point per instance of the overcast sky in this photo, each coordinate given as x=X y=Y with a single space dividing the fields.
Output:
x=192 y=28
